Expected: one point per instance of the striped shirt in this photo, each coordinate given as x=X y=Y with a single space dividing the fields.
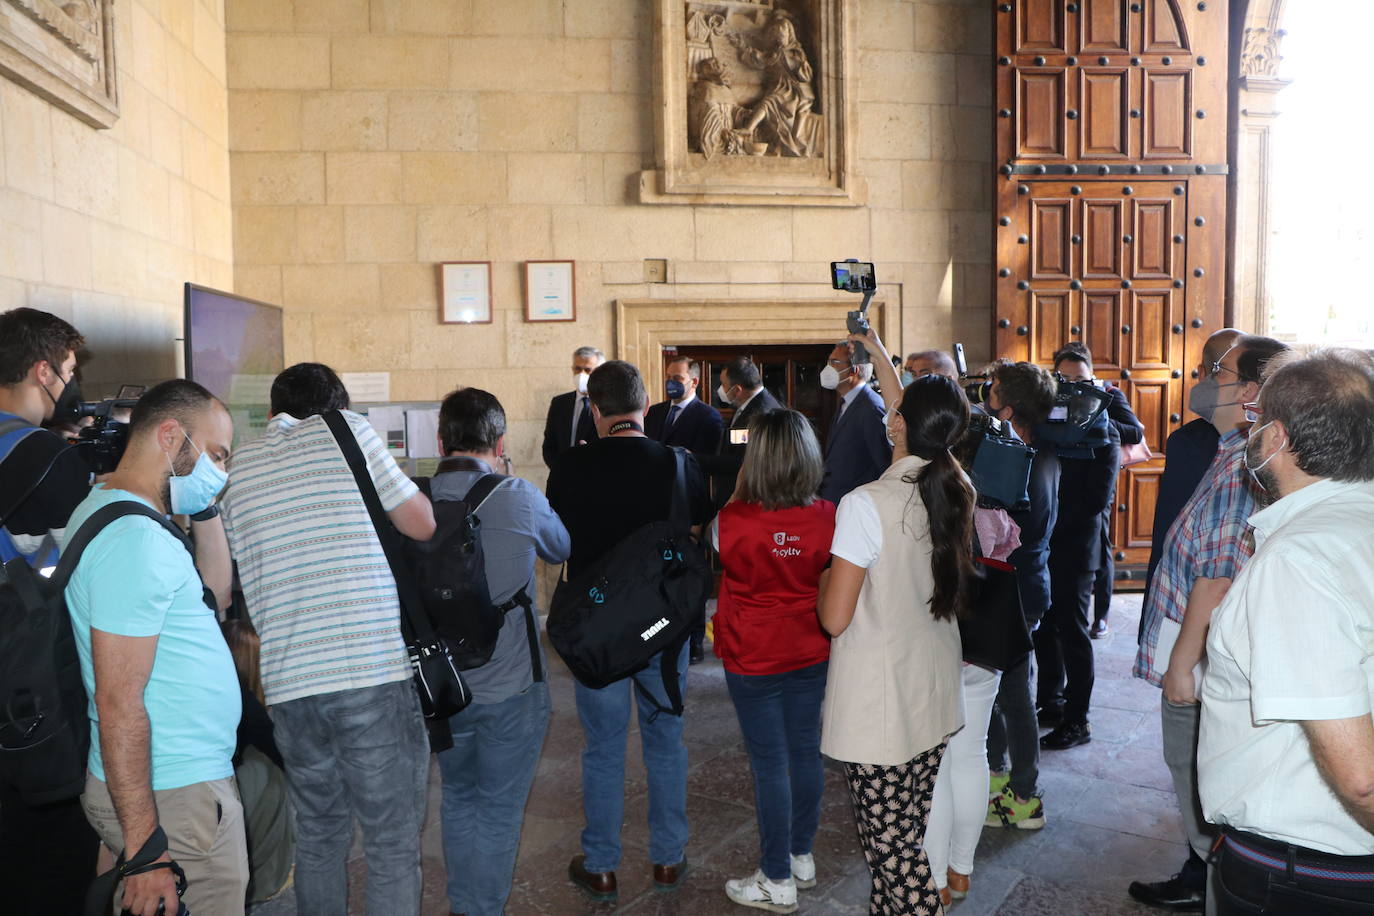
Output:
x=1210 y=539
x=318 y=587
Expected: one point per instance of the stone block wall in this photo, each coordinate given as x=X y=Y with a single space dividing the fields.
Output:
x=371 y=139
x=103 y=227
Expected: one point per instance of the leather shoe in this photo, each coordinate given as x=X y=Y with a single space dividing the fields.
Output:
x=1176 y=894
x=597 y=885
x=1049 y=716
x=695 y=655
x=1067 y=735
x=669 y=877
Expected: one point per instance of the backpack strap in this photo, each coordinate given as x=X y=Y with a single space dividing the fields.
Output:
x=679 y=512
x=486 y=485
x=426 y=485
x=522 y=599
x=78 y=542
x=667 y=664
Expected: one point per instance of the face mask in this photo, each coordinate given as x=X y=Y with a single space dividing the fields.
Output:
x=676 y=390
x=1205 y=398
x=724 y=398
x=1263 y=480
x=887 y=418
x=830 y=378
x=67 y=407
x=907 y=378
x=197 y=490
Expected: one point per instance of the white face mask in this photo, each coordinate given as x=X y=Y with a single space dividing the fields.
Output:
x=724 y=398
x=887 y=429
x=1254 y=470
x=830 y=378
x=582 y=382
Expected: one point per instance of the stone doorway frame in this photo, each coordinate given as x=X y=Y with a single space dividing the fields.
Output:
x=644 y=326
x=1255 y=58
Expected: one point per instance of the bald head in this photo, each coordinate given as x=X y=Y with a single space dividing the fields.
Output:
x=1216 y=346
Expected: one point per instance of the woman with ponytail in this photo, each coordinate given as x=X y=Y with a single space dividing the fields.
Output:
x=900 y=577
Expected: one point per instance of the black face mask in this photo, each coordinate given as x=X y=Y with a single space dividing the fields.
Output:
x=67 y=408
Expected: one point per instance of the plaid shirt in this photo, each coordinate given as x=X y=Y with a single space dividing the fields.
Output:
x=1210 y=539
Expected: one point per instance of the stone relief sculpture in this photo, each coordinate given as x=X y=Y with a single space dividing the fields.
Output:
x=63 y=50
x=1259 y=55
x=773 y=115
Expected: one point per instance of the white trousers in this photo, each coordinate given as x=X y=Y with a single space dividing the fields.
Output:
x=961 y=790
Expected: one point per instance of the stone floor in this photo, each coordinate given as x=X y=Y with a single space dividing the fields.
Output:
x=1110 y=808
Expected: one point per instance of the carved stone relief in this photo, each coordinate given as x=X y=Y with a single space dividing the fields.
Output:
x=752 y=106
x=63 y=50
x=1259 y=54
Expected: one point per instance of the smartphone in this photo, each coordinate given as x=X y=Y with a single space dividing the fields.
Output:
x=960 y=363
x=739 y=437
x=853 y=276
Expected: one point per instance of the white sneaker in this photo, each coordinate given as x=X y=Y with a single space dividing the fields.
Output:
x=804 y=871
x=762 y=893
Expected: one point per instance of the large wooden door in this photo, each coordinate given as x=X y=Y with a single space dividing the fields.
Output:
x=1111 y=144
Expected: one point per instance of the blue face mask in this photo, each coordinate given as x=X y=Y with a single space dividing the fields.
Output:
x=675 y=389
x=907 y=378
x=197 y=490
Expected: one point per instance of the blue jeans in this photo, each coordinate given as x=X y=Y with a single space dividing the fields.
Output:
x=363 y=753
x=780 y=717
x=487 y=776
x=605 y=716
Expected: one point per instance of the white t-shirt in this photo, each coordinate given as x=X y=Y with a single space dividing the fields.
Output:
x=1293 y=641
x=858 y=529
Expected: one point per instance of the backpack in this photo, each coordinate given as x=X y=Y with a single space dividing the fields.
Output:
x=13 y=431
x=639 y=599
x=45 y=728
x=451 y=574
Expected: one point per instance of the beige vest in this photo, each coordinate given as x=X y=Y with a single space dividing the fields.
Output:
x=894 y=688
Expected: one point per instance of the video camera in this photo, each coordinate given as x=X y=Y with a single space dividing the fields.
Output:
x=997 y=461
x=103 y=442
x=976 y=387
x=854 y=276
x=1078 y=420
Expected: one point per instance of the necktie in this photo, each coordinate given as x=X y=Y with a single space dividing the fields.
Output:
x=585 y=429
x=672 y=418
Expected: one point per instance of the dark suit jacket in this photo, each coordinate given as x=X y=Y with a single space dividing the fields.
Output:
x=856 y=452
x=1123 y=417
x=1085 y=491
x=723 y=467
x=697 y=427
x=558 y=426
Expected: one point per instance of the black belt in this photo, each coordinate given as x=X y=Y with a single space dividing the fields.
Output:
x=1298 y=861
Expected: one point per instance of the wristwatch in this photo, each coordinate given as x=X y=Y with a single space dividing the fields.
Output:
x=206 y=514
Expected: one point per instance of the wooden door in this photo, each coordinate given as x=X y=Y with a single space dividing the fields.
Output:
x=1111 y=223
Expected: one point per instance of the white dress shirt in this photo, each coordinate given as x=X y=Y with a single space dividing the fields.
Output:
x=1293 y=641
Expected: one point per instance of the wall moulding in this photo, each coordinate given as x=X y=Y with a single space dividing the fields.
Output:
x=644 y=326
x=63 y=52
x=753 y=105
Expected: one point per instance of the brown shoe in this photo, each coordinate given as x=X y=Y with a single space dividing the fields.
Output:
x=597 y=885
x=669 y=877
x=945 y=900
x=958 y=884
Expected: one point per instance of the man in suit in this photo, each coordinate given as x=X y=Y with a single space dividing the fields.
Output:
x=741 y=387
x=684 y=419
x=569 y=422
x=856 y=451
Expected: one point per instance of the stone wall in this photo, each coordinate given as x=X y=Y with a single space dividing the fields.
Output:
x=103 y=227
x=371 y=140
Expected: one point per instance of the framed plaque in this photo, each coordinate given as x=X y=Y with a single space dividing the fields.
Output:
x=550 y=291
x=466 y=292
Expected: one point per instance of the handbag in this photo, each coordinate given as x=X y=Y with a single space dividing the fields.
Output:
x=440 y=684
x=994 y=634
x=1139 y=453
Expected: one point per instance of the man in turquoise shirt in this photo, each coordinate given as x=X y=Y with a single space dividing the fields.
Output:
x=164 y=697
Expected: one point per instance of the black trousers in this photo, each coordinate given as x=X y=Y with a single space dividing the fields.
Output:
x=1063 y=646
x=1275 y=878
x=1105 y=576
x=47 y=855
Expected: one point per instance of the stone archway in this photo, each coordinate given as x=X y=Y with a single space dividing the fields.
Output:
x=1256 y=34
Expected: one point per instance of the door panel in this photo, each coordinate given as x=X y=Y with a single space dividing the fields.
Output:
x=1113 y=170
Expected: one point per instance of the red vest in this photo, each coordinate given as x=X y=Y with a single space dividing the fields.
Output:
x=766 y=619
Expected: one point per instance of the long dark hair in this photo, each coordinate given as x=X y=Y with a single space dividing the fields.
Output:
x=936 y=415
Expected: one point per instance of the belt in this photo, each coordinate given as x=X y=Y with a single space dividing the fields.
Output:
x=1285 y=861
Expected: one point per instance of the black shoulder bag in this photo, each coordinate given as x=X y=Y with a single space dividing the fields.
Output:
x=443 y=692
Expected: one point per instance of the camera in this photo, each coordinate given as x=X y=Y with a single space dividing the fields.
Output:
x=1078 y=418
x=976 y=387
x=856 y=276
x=103 y=442
x=997 y=462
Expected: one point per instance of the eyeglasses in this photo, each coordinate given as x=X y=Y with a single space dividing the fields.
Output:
x=1252 y=411
x=1216 y=366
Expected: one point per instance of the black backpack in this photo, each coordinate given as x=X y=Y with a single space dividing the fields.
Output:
x=450 y=572
x=640 y=598
x=45 y=729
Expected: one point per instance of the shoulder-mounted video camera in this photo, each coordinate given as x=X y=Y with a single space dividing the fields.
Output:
x=997 y=461
x=1078 y=420
x=103 y=441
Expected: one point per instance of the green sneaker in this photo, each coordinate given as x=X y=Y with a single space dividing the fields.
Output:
x=1007 y=811
x=997 y=782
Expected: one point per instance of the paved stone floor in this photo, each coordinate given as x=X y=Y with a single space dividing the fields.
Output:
x=1111 y=816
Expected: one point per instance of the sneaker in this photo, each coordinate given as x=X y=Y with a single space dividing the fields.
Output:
x=1067 y=735
x=804 y=871
x=1099 y=629
x=762 y=893
x=1006 y=810
x=997 y=782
